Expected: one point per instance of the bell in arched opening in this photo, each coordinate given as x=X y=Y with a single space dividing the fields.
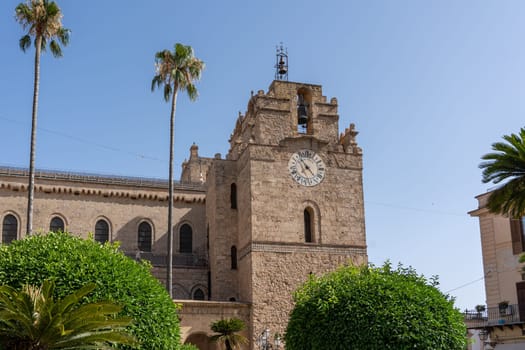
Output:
x=302 y=113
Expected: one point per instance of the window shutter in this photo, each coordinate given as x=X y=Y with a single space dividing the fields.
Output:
x=515 y=233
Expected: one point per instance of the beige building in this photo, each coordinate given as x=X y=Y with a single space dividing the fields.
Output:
x=285 y=202
x=502 y=320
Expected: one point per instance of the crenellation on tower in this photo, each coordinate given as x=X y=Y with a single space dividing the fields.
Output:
x=276 y=115
x=348 y=140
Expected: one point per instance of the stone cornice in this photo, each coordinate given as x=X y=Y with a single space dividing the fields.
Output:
x=478 y=212
x=284 y=247
x=105 y=192
x=187 y=304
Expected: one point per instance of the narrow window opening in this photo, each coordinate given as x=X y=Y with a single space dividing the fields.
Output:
x=517 y=234
x=307 y=226
x=185 y=239
x=9 y=229
x=208 y=237
x=56 y=225
x=233 y=254
x=209 y=285
x=101 y=231
x=144 y=237
x=522 y=229
x=233 y=196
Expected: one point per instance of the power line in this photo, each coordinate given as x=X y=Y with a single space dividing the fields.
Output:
x=89 y=142
x=479 y=279
x=466 y=284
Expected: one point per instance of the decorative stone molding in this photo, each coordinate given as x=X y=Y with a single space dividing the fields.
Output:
x=275 y=247
x=114 y=193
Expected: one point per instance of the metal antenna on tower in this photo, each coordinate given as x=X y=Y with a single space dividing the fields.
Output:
x=281 y=65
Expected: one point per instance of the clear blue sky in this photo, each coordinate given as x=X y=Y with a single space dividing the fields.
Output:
x=429 y=84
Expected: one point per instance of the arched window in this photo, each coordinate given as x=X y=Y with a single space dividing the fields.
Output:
x=144 y=237
x=185 y=239
x=56 y=224
x=308 y=225
x=233 y=196
x=198 y=294
x=9 y=229
x=233 y=254
x=101 y=231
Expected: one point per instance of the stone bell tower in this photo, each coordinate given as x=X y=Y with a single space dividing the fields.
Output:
x=286 y=202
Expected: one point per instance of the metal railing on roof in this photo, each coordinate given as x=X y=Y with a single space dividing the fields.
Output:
x=494 y=316
x=98 y=178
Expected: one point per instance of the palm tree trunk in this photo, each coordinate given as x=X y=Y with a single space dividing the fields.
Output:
x=31 y=185
x=170 y=195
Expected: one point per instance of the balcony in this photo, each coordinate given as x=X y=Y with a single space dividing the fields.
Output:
x=494 y=317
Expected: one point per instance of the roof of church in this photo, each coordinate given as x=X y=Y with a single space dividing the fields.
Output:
x=82 y=177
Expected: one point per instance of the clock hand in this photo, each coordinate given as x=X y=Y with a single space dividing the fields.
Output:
x=305 y=166
x=301 y=163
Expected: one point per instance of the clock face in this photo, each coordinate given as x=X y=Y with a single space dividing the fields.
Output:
x=307 y=168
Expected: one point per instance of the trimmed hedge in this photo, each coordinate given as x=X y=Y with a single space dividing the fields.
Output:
x=370 y=308
x=72 y=262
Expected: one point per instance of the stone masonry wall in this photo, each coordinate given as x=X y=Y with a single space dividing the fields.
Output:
x=81 y=205
x=279 y=271
x=222 y=221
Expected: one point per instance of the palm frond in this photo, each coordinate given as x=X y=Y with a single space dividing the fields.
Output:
x=192 y=92
x=43 y=43
x=55 y=49
x=167 y=92
x=52 y=9
x=24 y=15
x=33 y=315
x=506 y=165
x=25 y=42
x=63 y=36
x=509 y=199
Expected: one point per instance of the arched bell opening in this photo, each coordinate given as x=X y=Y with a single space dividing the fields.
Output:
x=304 y=114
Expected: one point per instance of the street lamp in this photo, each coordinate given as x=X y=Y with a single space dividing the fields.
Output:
x=264 y=343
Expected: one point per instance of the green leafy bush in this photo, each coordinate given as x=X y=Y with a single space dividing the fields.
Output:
x=374 y=308
x=72 y=262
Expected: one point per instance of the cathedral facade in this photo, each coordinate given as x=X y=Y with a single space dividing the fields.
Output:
x=249 y=228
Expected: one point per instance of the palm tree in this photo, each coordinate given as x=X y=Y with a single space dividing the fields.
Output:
x=43 y=20
x=227 y=330
x=507 y=164
x=174 y=71
x=32 y=320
